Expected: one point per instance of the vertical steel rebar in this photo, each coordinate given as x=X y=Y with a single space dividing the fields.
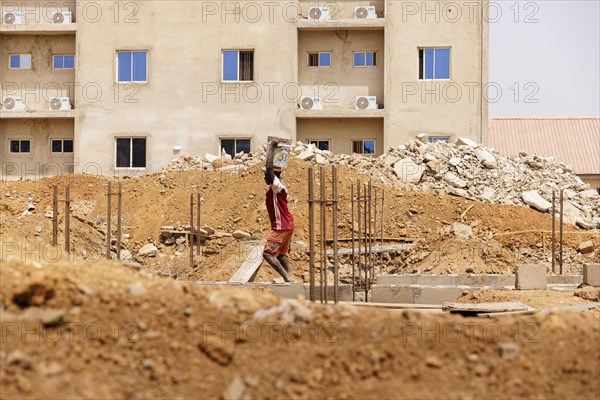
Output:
x=323 y=236
x=336 y=275
x=561 y=230
x=311 y=231
x=366 y=240
x=191 y=235
x=55 y=215
x=198 y=223
x=119 y=222
x=359 y=232
x=382 y=222
x=353 y=259
x=371 y=236
x=554 y=232
x=108 y=232
x=67 y=219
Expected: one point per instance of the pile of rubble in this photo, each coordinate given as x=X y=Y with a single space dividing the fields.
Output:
x=463 y=169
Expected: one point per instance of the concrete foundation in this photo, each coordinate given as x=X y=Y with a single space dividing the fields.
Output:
x=531 y=277
x=491 y=280
x=591 y=274
x=416 y=294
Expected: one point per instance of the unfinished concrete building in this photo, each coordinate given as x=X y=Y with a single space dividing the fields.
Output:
x=122 y=88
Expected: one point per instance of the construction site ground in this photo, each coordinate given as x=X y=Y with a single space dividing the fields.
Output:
x=75 y=325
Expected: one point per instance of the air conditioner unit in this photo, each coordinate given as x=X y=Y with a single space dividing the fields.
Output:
x=318 y=13
x=59 y=103
x=366 y=103
x=62 y=17
x=13 y=104
x=365 y=12
x=311 y=103
x=13 y=18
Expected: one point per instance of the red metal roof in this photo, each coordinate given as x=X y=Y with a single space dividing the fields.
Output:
x=575 y=141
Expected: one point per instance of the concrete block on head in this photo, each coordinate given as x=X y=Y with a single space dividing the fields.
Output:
x=531 y=277
x=591 y=274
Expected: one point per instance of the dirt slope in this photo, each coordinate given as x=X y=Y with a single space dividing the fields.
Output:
x=236 y=201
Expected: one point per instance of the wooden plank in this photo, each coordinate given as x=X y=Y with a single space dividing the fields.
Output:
x=375 y=249
x=509 y=306
x=252 y=262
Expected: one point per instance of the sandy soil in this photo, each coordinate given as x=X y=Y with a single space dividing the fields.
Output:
x=105 y=331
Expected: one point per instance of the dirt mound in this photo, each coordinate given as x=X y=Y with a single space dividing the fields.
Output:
x=234 y=199
x=110 y=332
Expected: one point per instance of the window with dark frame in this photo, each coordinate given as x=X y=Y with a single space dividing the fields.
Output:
x=238 y=65
x=20 y=146
x=131 y=153
x=320 y=144
x=62 y=146
x=235 y=146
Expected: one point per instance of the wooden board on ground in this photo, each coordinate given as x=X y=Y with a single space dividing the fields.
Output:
x=253 y=261
x=510 y=306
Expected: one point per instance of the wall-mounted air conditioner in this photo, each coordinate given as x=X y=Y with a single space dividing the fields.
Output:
x=365 y=12
x=13 y=18
x=366 y=103
x=318 y=13
x=62 y=17
x=59 y=104
x=311 y=103
x=13 y=103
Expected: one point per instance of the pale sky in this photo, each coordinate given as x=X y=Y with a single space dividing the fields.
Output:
x=558 y=57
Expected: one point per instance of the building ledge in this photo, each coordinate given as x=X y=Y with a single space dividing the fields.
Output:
x=38 y=29
x=340 y=113
x=38 y=114
x=345 y=24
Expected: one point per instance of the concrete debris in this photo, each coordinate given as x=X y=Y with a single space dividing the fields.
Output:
x=462 y=230
x=534 y=200
x=463 y=169
x=408 y=171
x=586 y=247
x=240 y=235
x=137 y=289
x=148 y=250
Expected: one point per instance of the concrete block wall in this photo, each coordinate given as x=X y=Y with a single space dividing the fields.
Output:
x=416 y=294
x=470 y=280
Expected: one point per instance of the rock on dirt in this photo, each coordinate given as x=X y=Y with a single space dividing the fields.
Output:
x=586 y=247
x=534 y=200
x=148 y=250
x=240 y=235
x=220 y=351
x=462 y=230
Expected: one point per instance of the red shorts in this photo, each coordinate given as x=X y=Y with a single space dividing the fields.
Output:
x=278 y=243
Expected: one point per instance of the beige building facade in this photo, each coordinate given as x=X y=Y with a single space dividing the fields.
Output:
x=147 y=82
